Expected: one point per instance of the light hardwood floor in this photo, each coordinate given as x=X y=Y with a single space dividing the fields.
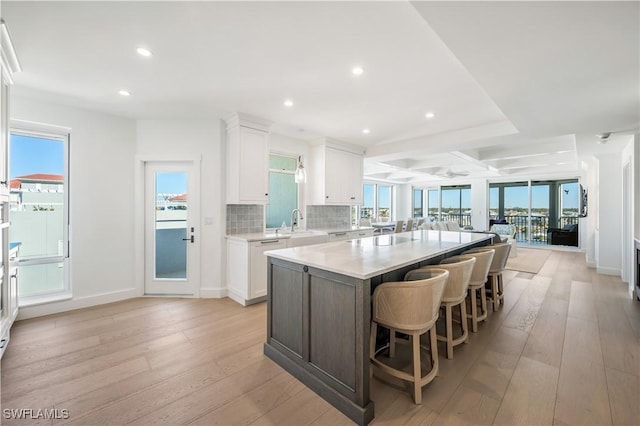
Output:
x=564 y=349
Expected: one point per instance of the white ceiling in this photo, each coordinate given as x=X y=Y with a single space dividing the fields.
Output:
x=518 y=88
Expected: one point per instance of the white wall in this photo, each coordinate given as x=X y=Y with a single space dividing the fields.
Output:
x=403 y=202
x=101 y=208
x=480 y=204
x=589 y=235
x=186 y=139
x=609 y=211
x=628 y=246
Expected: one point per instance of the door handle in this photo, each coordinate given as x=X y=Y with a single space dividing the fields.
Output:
x=192 y=239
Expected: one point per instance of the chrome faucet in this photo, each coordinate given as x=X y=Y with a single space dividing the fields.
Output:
x=293 y=213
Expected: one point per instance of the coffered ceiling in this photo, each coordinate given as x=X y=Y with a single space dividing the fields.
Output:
x=517 y=88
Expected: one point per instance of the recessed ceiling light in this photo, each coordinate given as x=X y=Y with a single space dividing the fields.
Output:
x=144 y=52
x=288 y=103
x=430 y=115
x=124 y=93
x=366 y=131
x=357 y=71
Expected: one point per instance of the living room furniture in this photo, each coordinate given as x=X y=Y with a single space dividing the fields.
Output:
x=455 y=294
x=476 y=284
x=565 y=236
x=508 y=234
x=409 y=307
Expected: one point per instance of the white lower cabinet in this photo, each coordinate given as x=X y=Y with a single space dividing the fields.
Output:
x=361 y=233
x=247 y=269
x=350 y=235
x=339 y=236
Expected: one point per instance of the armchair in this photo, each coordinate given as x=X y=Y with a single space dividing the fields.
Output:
x=507 y=233
x=565 y=236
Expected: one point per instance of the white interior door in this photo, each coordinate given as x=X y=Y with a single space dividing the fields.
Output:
x=171 y=235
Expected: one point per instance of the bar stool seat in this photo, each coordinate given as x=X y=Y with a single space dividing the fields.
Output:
x=409 y=307
x=495 y=281
x=483 y=256
x=455 y=293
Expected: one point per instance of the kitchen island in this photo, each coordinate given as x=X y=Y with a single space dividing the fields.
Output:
x=319 y=307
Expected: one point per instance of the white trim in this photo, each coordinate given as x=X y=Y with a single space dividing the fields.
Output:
x=9 y=57
x=43 y=129
x=76 y=303
x=213 y=292
x=608 y=271
x=138 y=238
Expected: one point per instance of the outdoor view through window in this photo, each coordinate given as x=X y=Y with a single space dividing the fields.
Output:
x=37 y=212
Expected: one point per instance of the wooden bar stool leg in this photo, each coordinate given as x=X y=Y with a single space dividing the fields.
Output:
x=417 y=373
x=483 y=302
x=463 y=319
x=449 y=321
x=392 y=343
x=372 y=346
x=474 y=310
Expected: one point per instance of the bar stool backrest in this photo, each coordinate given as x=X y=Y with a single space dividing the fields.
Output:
x=410 y=305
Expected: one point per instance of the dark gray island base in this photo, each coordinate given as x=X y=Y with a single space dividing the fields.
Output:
x=318 y=317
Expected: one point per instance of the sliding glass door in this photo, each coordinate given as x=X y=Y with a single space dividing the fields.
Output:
x=534 y=207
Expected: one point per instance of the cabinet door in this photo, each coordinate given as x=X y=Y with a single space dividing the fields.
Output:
x=363 y=233
x=258 y=268
x=353 y=186
x=335 y=176
x=254 y=165
x=343 y=177
x=339 y=236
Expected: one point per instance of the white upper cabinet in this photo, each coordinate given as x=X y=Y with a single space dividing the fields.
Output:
x=8 y=276
x=335 y=175
x=247 y=160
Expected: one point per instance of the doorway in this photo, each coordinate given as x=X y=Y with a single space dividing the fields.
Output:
x=171 y=234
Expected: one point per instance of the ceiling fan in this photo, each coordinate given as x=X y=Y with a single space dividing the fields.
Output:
x=451 y=174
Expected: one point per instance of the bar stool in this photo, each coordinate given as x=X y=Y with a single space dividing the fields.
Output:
x=409 y=307
x=483 y=256
x=455 y=294
x=495 y=280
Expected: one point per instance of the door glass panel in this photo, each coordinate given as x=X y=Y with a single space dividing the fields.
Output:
x=171 y=225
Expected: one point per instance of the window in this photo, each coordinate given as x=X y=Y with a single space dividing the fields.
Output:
x=283 y=190
x=377 y=202
x=535 y=206
x=418 y=211
x=450 y=203
x=38 y=170
x=433 y=204
x=385 y=200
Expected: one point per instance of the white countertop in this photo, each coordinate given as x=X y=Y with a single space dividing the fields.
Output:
x=272 y=235
x=368 y=257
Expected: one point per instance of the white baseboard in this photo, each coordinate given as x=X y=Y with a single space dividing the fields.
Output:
x=75 y=303
x=608 y=271
x=213 y=292
x=236 y=297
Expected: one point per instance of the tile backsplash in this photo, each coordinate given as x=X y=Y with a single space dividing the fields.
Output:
x=245 y=218
x=328 y=217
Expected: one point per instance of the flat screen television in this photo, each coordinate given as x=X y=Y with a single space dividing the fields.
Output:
x=584 y=208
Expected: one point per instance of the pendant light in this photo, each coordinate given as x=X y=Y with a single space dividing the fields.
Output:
x=301 y=175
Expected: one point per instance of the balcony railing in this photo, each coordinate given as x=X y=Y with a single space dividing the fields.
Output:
x=539 y=226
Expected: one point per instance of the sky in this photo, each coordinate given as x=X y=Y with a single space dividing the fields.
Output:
x=29 y=155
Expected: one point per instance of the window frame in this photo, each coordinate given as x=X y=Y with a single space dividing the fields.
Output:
x=286 y=172
x=60 y=134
